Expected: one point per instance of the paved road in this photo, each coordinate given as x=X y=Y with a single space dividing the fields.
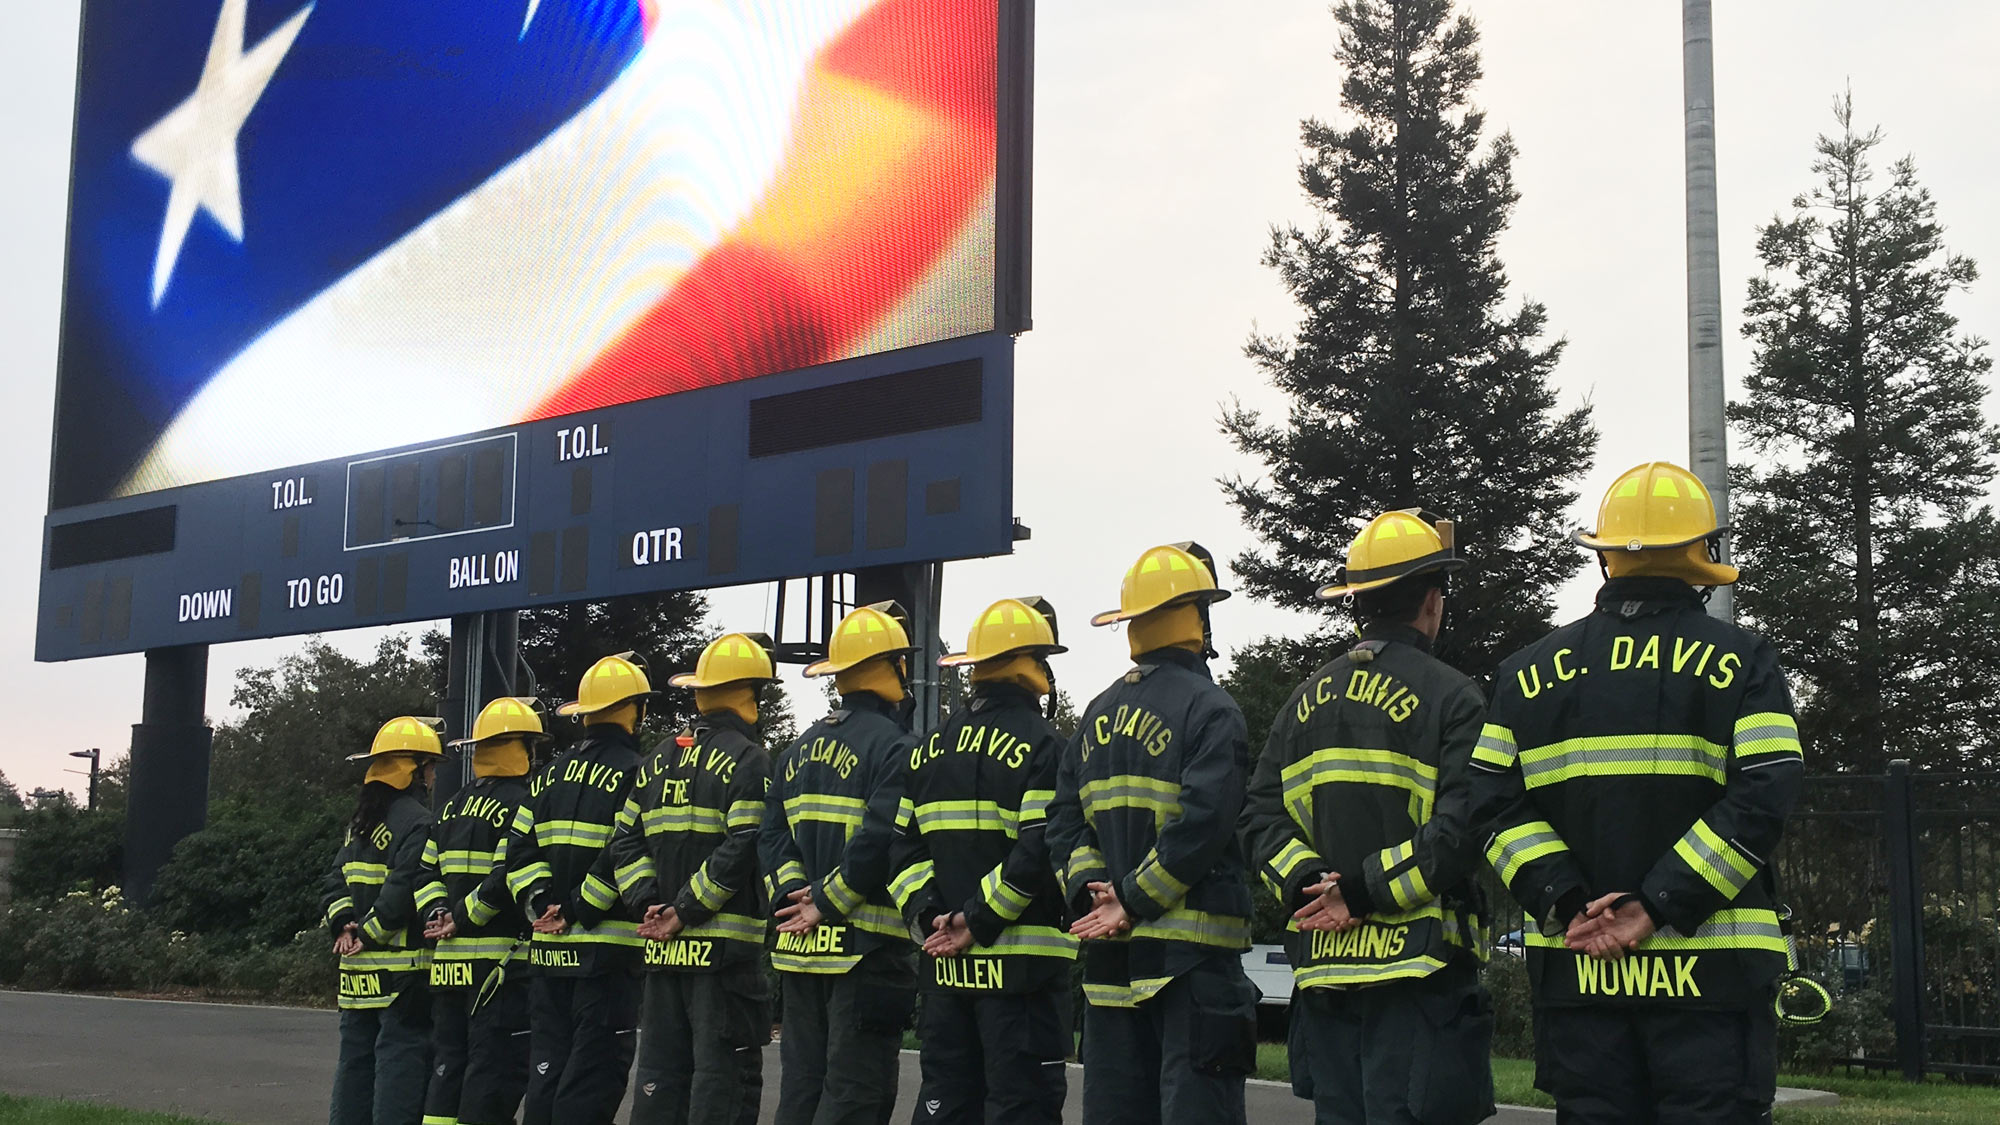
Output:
x=274 y=1066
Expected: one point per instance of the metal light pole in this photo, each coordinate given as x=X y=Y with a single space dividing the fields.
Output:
x=1708 y=433
x=93 y=754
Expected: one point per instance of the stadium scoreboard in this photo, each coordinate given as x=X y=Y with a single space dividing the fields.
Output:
x=734 y=300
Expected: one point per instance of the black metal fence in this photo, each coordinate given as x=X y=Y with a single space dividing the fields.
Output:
x=1894 y=884
x=1893 y=881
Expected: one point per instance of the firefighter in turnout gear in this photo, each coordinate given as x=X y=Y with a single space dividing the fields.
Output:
x=685 y=859
x=973 y=876
x=1360 y=822
x=843 y=955
x=373 y=904
x=583 y=999
x=479 y=971
x=1636 y=771
x=1143 y=835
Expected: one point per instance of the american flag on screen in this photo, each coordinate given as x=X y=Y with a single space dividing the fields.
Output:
x=306 y=230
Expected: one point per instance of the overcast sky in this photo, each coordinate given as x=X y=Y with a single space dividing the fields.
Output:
x=1166 y=143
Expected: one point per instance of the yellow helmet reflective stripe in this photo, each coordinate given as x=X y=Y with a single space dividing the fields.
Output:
x=866 y=633
x=728 y=659
x=609 y=682
x=1393 y=546
x=1650 y=506
x=1164 y=575
x=1007 y=626
x=507 y=717
x=404 y=734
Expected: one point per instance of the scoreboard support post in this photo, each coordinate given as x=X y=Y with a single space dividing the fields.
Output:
x=483 y=664
x=168 y=797
x=919 y=588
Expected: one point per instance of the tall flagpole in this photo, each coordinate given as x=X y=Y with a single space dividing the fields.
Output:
x=1708 y=434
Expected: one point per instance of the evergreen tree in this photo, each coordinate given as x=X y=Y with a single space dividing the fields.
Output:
x=667 y=630
x=1410 y=384
x=1868 y=554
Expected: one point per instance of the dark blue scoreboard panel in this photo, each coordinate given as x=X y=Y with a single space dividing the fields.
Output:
x=890 y=458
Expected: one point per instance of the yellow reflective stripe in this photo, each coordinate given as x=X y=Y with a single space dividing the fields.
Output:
x=729 y=927
x=1347 y=975
x=476 y=910
x=1519 y=846
x=1000 y=897
x=791 y=871
x=429 y=893
x=1613 y=755
x=825 y=808
x=839 y=894
x=632 y=873
x=1158 y=883
x=430 y=853
x=604 y=933
x=746 y=814
x=707 y=891
x=338 y=906
x=1496 y=747
x=465 y=861
x=1199 y=927
x=1768 y=734
x=475 y=948
x=1715 y=860
x=967 y=816
x=1033 y=941
x=1035 y=804
x=518 y=881
x=628 y=815
x=363 y=873
x=683 y=818
x=1087 y=861
x=1131 y=791
x=1124 y=995
x=905 y=886
x=906 y=811
x=375 y=931
x=1289 y=858
x=574 y=833
x=877 y=920
x=439 y=1119
x=524 y=820
x=1359 y=766
x=598 y=893
x=385 y=960
x=1409 y=890
x=1744 y=928
x=1394 y=857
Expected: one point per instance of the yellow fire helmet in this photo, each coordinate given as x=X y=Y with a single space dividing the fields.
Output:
x=728 y=659
x=609 y=682
x=405 y=734
x=866 y=633
x=1395 y=545
x=1165 y=575
x=1009 y=625
x=1657 y=504
x=507 y=717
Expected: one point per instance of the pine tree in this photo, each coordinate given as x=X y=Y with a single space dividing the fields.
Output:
x=1409 y=383
x=1868 y=555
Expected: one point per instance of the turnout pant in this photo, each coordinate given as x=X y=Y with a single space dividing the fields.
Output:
x=994 y=1057
x=451 y=1010
x=1405 y=1052
x=1657 y=1066
x=1179 y=1058
x=842 y=1033
x=579 y=1047
x=701 y=1047
x=496 y=1051
x=384 y=1062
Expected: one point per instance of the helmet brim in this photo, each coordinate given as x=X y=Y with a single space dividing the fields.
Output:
x=576 y=709
x=694 y=680
x=370 y=755
x=1199 y=597
x=1429 y=565
x=820 y=668
x=531 y=737
x=961 y=659
x=1597 y=543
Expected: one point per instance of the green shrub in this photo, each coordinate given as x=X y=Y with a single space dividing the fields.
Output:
x=253 y=875
x=1506 y=977
x=64 y=848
